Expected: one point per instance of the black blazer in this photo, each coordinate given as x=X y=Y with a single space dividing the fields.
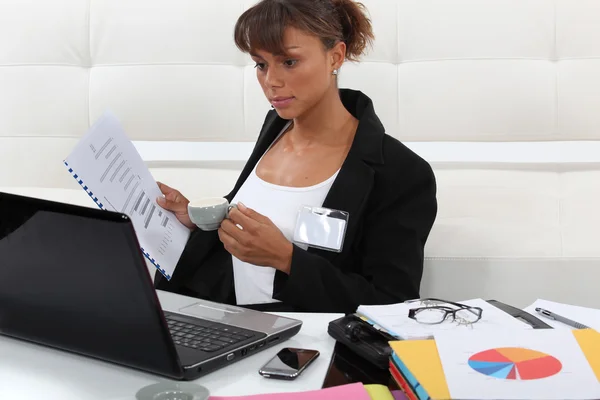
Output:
x=390 y=195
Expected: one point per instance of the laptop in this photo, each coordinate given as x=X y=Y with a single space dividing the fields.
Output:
x=74 y=278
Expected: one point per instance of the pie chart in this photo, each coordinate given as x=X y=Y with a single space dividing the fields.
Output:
x=515 y=363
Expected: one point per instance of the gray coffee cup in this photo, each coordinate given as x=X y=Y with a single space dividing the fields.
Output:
x=208 y=213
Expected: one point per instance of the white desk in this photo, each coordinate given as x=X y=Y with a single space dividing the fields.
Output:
x=29 y=371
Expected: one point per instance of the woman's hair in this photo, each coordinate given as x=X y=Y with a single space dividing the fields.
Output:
x=262 y=26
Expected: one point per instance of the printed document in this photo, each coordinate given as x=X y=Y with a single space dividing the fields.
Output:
x=584 y=315
x=107 y=165
x=532 y=364
x=394 y=319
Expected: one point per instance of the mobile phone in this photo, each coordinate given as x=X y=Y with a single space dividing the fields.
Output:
x=288 y=363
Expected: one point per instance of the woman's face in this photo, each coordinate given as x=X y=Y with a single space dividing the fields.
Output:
x=296 y=81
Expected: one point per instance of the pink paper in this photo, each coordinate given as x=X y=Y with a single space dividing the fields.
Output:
x=354 y=391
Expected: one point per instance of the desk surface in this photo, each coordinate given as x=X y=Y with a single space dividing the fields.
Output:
x=30 y=371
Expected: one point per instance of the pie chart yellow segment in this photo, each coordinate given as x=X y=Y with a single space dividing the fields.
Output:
x=517 y=355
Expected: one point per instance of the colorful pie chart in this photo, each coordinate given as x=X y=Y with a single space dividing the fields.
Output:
x=515 y=363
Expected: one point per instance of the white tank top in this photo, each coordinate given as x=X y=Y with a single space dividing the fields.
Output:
x=254 y=284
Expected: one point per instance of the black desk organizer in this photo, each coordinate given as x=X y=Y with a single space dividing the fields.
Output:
x=364 y=340
x=347 y=367
x=372 y=345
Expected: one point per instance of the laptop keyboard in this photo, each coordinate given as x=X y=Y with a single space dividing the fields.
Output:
x=205 y=335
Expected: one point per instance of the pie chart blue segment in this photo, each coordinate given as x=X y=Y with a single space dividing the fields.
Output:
x=496 y=369
x=487 y=364
x=504 y=372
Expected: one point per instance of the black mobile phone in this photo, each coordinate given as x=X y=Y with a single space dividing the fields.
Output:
x=289 y=363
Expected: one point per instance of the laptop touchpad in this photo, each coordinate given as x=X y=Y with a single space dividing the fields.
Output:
x=219 y=313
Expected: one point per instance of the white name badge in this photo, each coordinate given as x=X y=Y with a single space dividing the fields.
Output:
x=320 y=227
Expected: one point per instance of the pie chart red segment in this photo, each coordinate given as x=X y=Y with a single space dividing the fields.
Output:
x=512 y=374
x=490 y=356
x=539 y=368
x=515 y=363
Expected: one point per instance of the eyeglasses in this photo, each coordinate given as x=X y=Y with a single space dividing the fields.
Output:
x=436 y=311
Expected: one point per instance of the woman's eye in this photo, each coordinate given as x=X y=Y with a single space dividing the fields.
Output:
x=260 y=66
x=290 y=63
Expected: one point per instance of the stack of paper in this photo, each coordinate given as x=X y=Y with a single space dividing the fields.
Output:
x=380 y=392
x=532 y=364
x=394 y=320
x=416 y=368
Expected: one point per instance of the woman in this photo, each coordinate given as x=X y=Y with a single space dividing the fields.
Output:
x=319 y=146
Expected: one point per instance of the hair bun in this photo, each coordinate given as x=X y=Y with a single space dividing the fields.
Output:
x=262 y=26
x=356 y=27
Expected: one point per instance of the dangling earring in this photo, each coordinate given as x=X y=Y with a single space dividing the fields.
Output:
x=335 y=72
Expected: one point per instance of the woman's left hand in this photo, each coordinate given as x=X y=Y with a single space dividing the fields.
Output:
x=259 y=242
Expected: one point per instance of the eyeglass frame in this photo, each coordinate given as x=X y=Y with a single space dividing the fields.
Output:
x=412 y=313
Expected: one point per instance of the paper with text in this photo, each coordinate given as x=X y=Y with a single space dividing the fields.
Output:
x=394 y=319
x=109 y=168
x=528 y=364
x=584 y=315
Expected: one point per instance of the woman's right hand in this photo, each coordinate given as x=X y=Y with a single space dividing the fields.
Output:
x=175 y=202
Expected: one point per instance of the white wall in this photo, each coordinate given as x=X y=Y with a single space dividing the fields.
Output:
x=501 y=96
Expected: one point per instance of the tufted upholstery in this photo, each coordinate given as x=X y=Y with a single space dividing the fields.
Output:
x=501 y=96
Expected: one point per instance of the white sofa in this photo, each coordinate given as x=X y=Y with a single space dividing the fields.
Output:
x=501 y=96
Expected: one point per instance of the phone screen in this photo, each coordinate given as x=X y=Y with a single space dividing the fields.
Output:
x=290 y=361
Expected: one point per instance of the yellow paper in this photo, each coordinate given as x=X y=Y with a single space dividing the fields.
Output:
x=589 y=341
x=379 y=392
x=423 y=361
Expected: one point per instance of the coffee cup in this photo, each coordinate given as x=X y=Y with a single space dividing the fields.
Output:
x=208 y=212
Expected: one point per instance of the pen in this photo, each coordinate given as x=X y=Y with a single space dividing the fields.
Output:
x=559 y=318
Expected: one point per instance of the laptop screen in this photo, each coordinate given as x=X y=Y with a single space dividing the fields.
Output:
x=74 y=278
